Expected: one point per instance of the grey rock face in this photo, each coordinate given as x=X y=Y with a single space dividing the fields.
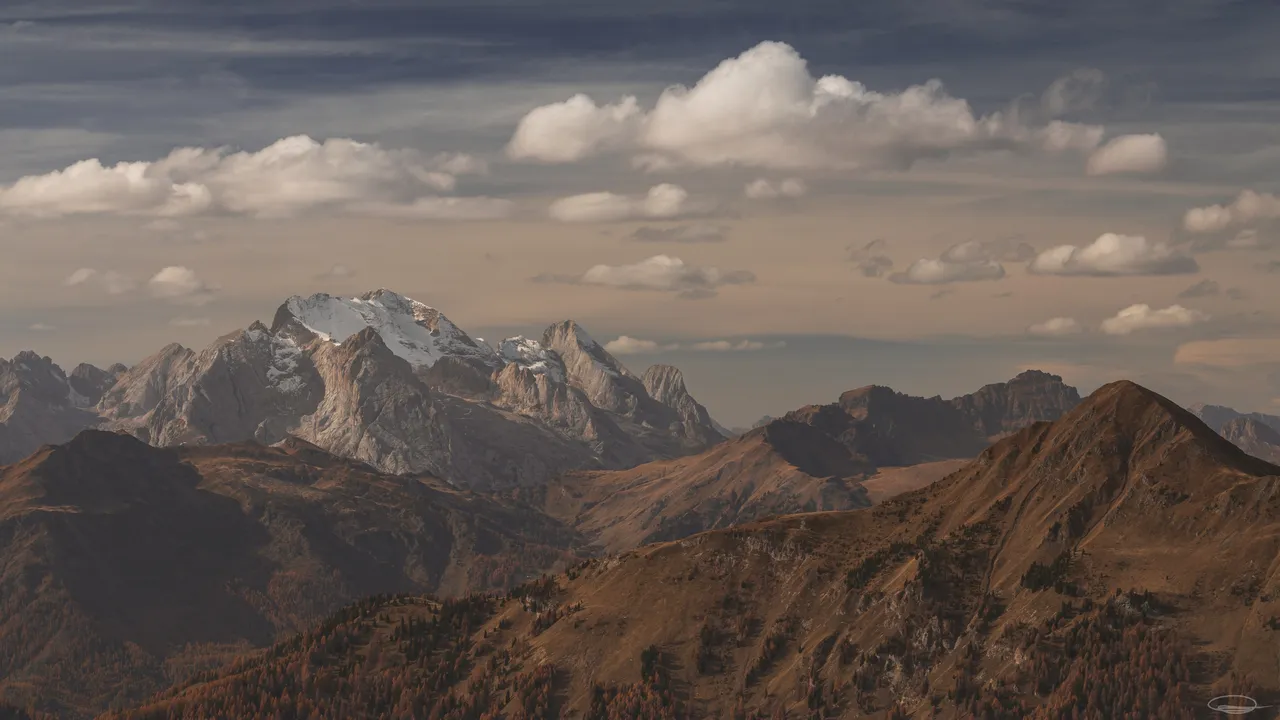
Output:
x=1033 y=396
x=665 y=384
x=38 y=406
x=1254 y=437
x=393 y=383
x=90 y=383
x=1219 y=416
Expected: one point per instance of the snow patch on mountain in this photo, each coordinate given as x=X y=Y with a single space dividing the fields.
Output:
x=284 y=365
x=419 y=334
x=531 y=354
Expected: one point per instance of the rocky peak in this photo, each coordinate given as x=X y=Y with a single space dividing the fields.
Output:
x=533 y=356
x=665 y=384
x=1254 y=437
x=1030 y=397
x=412 y=330
x=90 y=383
x=1218 y=416
x=589 y=367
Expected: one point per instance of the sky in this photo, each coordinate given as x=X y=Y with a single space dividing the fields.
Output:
x=785 y=200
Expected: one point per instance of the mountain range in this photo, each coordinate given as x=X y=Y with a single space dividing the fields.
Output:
x=1118 y=562
x=380 y=378
x=160 y=521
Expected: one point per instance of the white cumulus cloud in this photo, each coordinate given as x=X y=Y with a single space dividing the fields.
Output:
x=663 y=201
x=111 y=281
x=763 y=189
x=1112 y=254
x=970 y=261
x=1142 y=317
x=660 y=273
x=1129 y=154
x=1056 y=327
x=626 y=345
x=764 y=109
x=292 y=175
x=1248 y=206
x=180 y=284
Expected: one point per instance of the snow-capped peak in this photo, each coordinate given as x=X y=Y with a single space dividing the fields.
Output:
x=413 y=331
x=532 y=355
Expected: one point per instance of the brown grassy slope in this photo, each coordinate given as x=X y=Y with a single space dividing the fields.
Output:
x=124 y=566
x=955 y=594
x=1143 y=494
x=892 y=481
x=782 y=468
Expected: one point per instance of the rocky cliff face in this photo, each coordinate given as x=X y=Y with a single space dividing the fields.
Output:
x=1001 y=408
x=1254 y=437
x=665 y=384
x=356 y=398
x=887 y=428
x=383 y=379
x=39 y=403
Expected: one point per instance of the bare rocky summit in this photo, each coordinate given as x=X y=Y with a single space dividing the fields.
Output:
x=1254 y=437
x=380 y=378
x=40 y=404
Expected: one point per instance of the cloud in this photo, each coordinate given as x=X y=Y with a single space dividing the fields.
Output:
x=662 y=201
x=762 y=189
x=1204 y=288
x=41 y=327
x=1056 y=327
x=80 y=277
x=1248 y=207
x=686 y=234
x=1112 y=255
x=180 y=284
x=1229 y=352
x=1079 y=91
x=870 y=258
x=1142 y=317
x=970 y=261
x=764 y=109
x=290 y=176
x=740 y=346
x=460 y=164
x=625 y=345
x=337 y=272
x=114 y=283
x=1129 y=154
x=1245 y=239
x=190 y=322
x=660 y=273
x=1272 y=266
x=573 y=130
x=441 y=208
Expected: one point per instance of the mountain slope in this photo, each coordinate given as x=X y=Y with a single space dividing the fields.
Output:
x=1217 y=416
x=1123 y=561
x=782 y=468
x=1254 y=437
x=815 y=458
x=39 y=403
x=122 y=565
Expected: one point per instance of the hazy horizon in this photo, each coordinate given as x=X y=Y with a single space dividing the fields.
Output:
x=1078 y=192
